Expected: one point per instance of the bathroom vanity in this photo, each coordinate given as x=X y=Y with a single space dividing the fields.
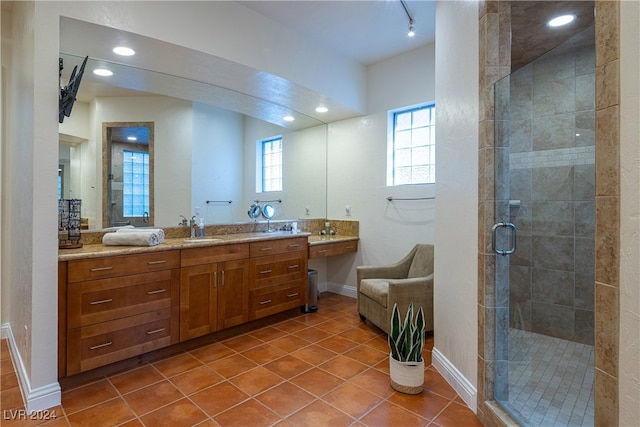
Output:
x=117 y=302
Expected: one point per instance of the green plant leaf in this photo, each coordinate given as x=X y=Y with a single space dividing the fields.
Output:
x=418 y=337
x=406 y=340
x=396 y=333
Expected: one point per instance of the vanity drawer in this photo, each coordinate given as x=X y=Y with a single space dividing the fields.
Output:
x=109 y=299
x=270 y=270
x=98 y=345
x=121 y=265
x=280 y=246
x=267 y=301
x=334 y=248
x=211 y=254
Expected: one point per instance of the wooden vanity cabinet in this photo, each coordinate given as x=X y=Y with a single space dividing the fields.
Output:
x=278 y=276
x=332 y=248
x=119 y=306
x=213 y=289
x=115 y=307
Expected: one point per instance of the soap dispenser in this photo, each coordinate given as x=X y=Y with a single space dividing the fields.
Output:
x=201 y=228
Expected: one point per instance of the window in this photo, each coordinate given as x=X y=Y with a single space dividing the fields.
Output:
x=272 y=164
x=135 y=183
x=412 y=150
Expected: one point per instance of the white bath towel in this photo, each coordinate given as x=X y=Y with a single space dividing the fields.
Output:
x=137 y=238
x=158 y=231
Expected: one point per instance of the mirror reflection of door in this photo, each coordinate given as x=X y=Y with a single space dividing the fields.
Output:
x=128 y=179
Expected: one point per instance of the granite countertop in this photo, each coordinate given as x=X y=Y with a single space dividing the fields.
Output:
x=100 y=250
x=322 y=240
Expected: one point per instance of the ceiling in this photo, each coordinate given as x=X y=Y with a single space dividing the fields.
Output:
x=364 y=31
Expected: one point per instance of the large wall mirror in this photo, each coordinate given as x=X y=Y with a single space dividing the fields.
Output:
x=204 y=145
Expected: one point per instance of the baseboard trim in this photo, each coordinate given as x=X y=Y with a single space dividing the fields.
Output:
x=342 y=289
x=35 y=399
x=454 y=377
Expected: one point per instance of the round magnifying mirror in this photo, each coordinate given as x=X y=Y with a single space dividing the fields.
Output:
x=254 y=211
x=268 y=211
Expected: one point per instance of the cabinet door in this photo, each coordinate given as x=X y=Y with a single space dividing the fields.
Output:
x=233 y=293
x=198 y=300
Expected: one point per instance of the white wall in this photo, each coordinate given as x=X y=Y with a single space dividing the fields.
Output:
x=455 y=293
x=29 y=239
x=217 y=164
x=629 y=371
x=356 y=171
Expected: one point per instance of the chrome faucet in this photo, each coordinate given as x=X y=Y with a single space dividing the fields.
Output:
x=184 y=221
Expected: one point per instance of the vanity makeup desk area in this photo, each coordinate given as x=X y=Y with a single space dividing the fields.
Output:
x=121 y=302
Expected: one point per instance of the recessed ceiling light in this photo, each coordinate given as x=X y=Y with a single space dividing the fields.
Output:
x=124 y=51
x=288 y=118
x=321 y=109
x=102 y=72
x=132 y=138
x=561 y=20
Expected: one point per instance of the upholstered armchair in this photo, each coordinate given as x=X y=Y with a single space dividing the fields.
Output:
x=408 y=280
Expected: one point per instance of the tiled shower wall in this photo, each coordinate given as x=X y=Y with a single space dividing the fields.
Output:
x=551 y=157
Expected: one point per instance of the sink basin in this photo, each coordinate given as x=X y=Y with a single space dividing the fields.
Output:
x=202 y=240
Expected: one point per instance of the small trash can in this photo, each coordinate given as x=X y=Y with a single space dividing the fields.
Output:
x=312 y=286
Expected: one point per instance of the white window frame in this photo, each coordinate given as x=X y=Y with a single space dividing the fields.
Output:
x=412 y=149
x=266 y=180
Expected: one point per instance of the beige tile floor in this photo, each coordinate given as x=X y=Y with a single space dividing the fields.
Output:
x=551 y=380
x=322 y=369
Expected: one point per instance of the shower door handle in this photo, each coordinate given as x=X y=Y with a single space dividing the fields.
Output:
x=495 y=228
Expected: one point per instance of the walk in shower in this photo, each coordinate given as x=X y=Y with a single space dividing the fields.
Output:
x=545 y=188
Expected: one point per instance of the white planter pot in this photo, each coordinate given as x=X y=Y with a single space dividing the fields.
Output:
x=406 y=377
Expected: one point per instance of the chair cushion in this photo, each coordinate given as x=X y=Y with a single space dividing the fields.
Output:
x=376 y=289
x=422 y=263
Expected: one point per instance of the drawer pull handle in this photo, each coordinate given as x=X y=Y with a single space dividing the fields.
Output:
x=266 y=271
x=293 y=295
x=157 y=262
x=158 y=291
x=265 y=302
x=350 y=247
x=155 y=331
x=294 y=266
x=102 y=301
x=266 y=249
x=101 y=269
x=95 y=347
x=294 y=245
x=321 y=251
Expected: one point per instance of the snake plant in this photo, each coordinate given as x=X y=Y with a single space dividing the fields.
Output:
x=406 y=340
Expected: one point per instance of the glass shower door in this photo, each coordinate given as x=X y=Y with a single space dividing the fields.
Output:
x=544 y=188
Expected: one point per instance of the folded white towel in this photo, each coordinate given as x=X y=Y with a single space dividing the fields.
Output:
x=158 y=231
x=138 y=238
